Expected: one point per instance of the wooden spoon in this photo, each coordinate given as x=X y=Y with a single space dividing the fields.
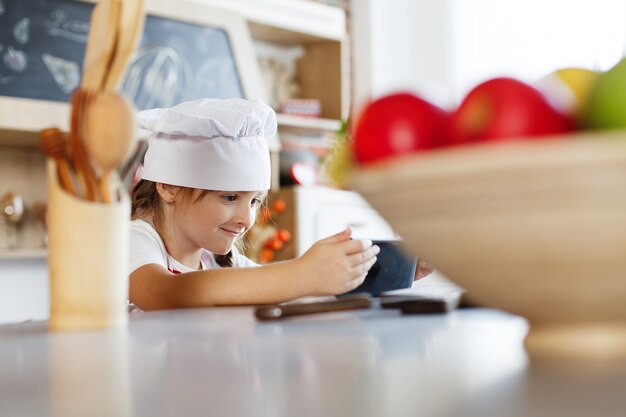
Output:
x=84 y=170
x=109 y=134
x=53 y=144
x=101 y=43
x=130 y=28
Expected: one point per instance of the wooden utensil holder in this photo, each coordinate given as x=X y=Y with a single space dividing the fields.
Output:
x=88 y=260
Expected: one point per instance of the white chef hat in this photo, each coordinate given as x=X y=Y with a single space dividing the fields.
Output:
x=210 y=144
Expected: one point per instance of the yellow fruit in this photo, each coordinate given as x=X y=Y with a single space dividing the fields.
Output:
x=568 y=89
x=579 y=80
x=341 y=164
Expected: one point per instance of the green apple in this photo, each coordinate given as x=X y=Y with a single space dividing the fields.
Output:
x=606 y=108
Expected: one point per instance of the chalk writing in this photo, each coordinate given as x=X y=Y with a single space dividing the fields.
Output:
x=21 y=31
x=61 y=25
x=65 y=73
x=15 y=60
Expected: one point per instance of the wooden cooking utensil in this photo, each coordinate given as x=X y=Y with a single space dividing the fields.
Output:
x=101 y=43
x=132 y=17
x=84 y=170
x=109 y=134
x=53 y=143
x=281 y=311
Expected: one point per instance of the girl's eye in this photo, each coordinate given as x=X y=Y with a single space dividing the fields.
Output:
x=256 y=201
x=231 y=198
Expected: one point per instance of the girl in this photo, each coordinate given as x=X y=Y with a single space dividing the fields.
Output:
x=206 y=173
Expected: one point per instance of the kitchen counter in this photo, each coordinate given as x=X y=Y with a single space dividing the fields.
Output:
x=222 y=362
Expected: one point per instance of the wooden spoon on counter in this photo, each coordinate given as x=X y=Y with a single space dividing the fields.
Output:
x=109 y=134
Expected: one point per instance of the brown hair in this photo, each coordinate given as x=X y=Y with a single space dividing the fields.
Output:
x=145 y=202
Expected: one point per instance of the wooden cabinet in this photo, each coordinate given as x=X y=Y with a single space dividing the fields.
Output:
x=323 y=71
x=316 y=34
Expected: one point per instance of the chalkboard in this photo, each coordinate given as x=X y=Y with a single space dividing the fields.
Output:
x=179 y=61
x=42 y=45
x=42 y=48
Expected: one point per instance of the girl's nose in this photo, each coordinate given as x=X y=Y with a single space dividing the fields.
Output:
x=245 y=216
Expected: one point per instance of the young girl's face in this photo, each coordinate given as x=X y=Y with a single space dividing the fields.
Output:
x=216 y=220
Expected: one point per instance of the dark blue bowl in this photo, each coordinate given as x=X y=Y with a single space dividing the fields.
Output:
x=394 y=269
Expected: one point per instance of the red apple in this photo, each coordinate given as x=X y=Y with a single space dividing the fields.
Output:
x=503 y=108
x=398 y=124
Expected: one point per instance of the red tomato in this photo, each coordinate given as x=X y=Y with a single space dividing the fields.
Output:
x=283 y=234
x=398 y=124
x=279 y=205
x=273 y=243
x=277 y=244
x=267 y=255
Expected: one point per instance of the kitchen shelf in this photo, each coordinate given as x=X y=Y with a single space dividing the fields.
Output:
x=288 y=21
x=313 y=123
x=26 y=253
x=18 y=127
x=323 y=70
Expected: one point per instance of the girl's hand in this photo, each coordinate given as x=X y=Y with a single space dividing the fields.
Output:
x=337 y=264
x=423 y=269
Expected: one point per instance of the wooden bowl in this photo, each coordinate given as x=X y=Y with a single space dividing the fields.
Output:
x=533 y=227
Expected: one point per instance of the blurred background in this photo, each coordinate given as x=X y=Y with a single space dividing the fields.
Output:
x=441 y=49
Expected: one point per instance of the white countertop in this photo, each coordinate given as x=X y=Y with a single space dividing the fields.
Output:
x=222 y=362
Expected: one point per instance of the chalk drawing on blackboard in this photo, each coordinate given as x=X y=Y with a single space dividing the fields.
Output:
x=15 y=60
x=178 y=61
x=157 y=77
x=21 y=31
x=42 y=42
x=63 y=26
x=65 y=73
x=219 y=78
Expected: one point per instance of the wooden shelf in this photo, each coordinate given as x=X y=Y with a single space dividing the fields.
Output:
x=24 y=253
x=21 y=119
x=288 y=21
x=313 y=123
x=323 y=71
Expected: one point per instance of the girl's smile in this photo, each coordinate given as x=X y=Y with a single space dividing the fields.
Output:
x=232 y=232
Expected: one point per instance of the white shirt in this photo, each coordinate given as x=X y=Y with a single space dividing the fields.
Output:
x=147 y=247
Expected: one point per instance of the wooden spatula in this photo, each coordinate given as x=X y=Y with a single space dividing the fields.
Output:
x=103 y=31
x=129 y=32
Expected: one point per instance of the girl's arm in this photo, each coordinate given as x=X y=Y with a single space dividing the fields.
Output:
x=331 y=266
